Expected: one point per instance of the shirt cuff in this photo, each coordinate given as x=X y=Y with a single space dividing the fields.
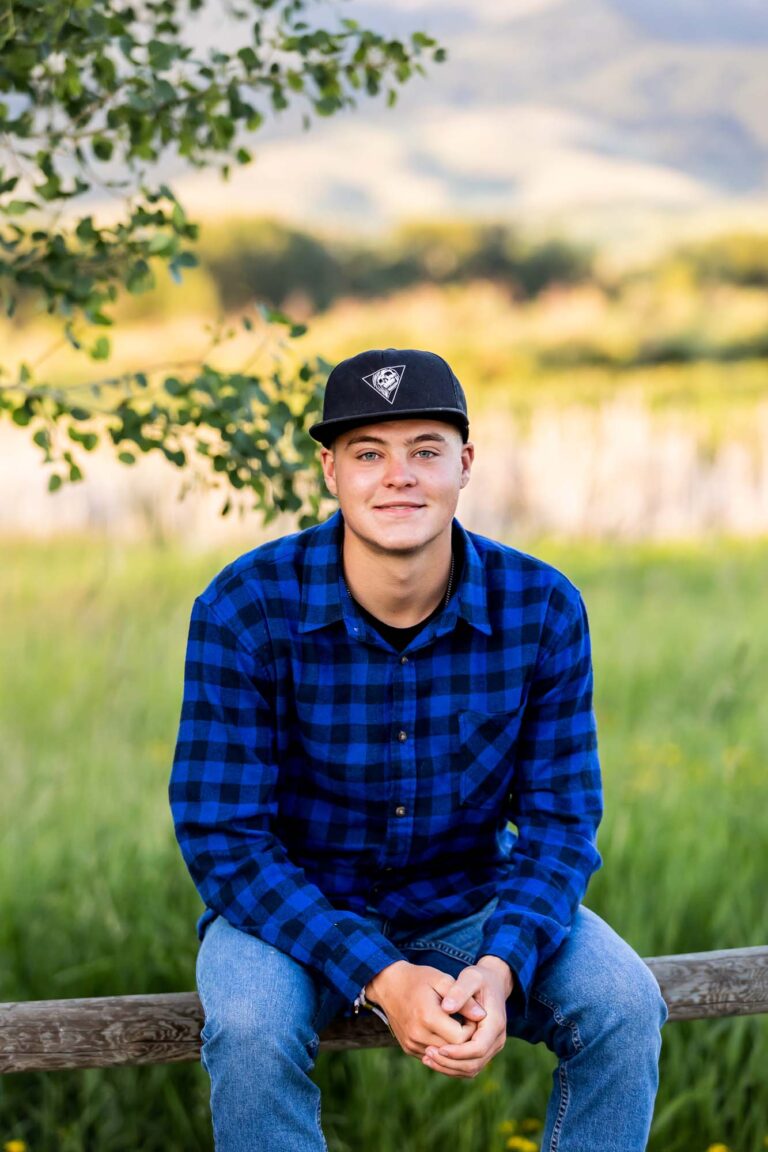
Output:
x=518 y=949
x=360 y=957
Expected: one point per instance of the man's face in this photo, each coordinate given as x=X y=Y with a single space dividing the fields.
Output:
x=398 y=481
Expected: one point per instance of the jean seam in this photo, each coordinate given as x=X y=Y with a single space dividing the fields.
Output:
x=201 y=998
x=319 y=1125
x=565 y=1099
x=559 y=1018
x=439 y=946
x=562 y=1071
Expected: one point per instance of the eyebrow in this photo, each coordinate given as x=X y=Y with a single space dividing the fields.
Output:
x=423 y=436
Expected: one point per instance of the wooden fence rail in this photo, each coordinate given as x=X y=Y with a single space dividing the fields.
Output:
x=43 y=1035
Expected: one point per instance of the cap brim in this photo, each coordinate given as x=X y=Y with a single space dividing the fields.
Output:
x=327 y=430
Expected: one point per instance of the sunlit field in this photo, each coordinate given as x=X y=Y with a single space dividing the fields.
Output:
x=95 y=900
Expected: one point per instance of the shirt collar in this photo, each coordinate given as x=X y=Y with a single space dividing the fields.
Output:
x=323 y=593
x=321 y=601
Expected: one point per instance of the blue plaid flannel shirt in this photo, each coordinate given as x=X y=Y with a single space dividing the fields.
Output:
x=319 y=773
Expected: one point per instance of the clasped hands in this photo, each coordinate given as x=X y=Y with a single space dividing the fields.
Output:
x=421 y=1004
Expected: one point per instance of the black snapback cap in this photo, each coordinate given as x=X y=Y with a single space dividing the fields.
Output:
x=390 y=384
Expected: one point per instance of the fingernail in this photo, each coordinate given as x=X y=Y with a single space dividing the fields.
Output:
x=450 y=1005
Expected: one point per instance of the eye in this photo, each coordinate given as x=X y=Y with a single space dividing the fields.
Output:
x=426 y=452
x=369 y=455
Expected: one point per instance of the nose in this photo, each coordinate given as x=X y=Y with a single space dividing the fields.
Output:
x=399 y=472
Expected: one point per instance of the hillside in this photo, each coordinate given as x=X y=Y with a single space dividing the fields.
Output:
x=588 y=109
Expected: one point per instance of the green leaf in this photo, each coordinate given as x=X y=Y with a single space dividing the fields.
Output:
x=102 y=148
x=162 y=244
x=85 y=230
x=54 y=483
x=176 y=457
x=21 y=416
x=327 y=106
x=101 y=349
x=126 y=458
x=51 y=189
x=89 y=440
x=162 y=54
x=248 y=57
x=18 y=207
x=140 y=278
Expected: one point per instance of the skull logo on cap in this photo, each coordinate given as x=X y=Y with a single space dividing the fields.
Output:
x=386 y=381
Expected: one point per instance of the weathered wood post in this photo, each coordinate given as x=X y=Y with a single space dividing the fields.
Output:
x=44 y=1035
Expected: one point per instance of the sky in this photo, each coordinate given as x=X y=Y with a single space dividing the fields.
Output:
x=579 y=111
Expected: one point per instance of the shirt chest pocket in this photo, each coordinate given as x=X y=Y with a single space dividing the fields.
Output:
x=487 y=743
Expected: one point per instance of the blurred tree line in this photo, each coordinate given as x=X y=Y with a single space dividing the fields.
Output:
x=276 y=262
x=306 y=272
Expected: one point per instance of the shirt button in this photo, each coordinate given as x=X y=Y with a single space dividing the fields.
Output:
x=400 y=810
x=403 y=659
x=402 y=737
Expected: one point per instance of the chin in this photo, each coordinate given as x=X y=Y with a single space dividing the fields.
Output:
x=402 y=538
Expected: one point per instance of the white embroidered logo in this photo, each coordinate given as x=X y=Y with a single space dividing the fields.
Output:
x=386 y=381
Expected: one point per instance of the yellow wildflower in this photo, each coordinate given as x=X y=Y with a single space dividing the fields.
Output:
x=521 y=1144
x=507 y=1127
x=14 y=1146
x=718 y=1148
x=531 y=1125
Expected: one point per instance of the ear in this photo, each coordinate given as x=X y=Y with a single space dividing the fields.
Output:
x=328 y=461
x=467 y=459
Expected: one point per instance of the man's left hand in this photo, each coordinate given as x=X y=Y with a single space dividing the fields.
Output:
x=490 y=981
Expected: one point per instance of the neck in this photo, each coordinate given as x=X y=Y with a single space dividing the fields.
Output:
x=400 y=589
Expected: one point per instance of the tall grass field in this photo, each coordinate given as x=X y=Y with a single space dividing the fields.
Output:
x=95 y=899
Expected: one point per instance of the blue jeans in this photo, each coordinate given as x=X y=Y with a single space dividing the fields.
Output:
x=595 y=1004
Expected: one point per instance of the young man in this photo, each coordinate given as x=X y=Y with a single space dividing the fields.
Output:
x=386 y=789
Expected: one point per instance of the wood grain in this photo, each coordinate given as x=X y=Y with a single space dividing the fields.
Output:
x=703 y=985
x=42 y=1035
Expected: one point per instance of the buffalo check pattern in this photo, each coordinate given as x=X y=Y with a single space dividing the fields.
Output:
x=319 y=773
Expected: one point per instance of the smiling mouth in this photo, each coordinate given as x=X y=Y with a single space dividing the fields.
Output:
x=398 y=507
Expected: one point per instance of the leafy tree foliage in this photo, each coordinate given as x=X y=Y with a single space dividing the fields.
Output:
x=91 y=97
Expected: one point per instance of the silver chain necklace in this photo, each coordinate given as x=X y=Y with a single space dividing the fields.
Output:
x=448 y=590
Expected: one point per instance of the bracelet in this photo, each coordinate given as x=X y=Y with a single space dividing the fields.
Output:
x=362 y=1001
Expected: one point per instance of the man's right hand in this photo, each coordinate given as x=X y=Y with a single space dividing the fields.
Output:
x=411 y=996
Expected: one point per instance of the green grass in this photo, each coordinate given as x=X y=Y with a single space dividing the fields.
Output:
x=94 y=897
